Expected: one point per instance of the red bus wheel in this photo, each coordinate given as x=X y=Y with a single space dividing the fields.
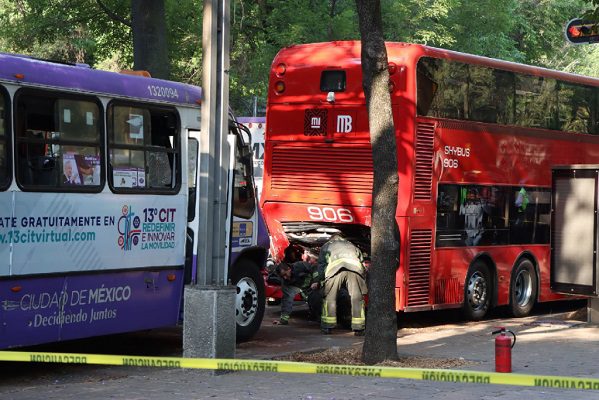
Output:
x=523 y=289
x=477 y=291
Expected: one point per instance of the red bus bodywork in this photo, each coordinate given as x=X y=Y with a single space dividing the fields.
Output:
x=318 y=166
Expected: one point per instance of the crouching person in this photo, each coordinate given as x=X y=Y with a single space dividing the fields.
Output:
x=299 y=277
x=340 y=264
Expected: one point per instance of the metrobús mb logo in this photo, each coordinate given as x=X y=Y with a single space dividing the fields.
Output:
x=129 y=228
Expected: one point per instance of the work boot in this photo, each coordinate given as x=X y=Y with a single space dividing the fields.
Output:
x=359 y=332
x=325 y=331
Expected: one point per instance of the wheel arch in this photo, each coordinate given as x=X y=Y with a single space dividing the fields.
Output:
x=256 y=254
x=488 y=261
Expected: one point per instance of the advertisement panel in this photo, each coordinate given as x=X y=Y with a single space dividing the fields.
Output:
x=67 y=232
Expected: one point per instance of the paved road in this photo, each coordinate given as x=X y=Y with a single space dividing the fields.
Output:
x=547 y=344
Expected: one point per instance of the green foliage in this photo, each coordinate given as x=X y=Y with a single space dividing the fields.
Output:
x=416 y=21
x=184 y=24
x=485 y=27
x=259 y=29
x=66 y=30
x=540 y=28
x=593 y=11
x=529 y=31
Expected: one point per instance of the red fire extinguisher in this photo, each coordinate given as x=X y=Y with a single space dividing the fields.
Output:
x=503 y=350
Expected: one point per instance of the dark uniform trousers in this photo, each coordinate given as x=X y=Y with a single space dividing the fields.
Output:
x=356 y=286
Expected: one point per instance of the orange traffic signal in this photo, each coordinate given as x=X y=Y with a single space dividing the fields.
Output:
x=579 y=31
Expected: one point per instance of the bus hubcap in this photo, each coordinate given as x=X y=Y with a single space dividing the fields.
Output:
x=523 y=287
x=246 y=302
x=477 y=291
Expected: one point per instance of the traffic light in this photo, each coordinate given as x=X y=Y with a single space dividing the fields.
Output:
x=579 y=31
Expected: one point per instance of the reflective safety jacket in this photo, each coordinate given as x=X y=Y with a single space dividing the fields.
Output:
x=339 y=254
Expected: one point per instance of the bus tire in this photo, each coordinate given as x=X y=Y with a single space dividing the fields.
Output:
x=523 y=288
x=477 y=291
x=250 y=300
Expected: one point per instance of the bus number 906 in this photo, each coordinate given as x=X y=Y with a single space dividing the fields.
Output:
x=330 y=214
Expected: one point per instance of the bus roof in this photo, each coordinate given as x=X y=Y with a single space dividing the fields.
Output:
x=332 y=54
x=30 y=71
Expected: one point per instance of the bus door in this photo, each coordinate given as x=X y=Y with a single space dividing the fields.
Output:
x=193 y=149
x=241 y=200
x=244 y=232
x=197 y=244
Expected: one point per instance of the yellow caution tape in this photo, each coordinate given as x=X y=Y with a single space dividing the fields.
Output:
x=440 y=375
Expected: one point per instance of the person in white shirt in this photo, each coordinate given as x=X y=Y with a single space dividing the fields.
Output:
x=473 y=209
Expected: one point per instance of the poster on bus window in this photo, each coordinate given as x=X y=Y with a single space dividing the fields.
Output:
x=88 y=168
x=128 y=177
x=136 y=126
x=70 y=172
x=80 y=169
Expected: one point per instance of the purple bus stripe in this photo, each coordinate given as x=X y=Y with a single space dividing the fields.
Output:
x=85 y=79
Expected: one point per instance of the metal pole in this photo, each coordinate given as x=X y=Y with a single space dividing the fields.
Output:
x=209 y=307
x=213 y=235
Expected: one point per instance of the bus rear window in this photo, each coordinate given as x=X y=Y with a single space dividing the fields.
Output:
x=332 y=81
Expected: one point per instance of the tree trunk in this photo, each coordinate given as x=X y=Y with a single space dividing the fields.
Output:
x=381 y=324
x=150 y=50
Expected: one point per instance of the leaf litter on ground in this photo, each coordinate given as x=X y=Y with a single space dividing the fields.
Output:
x=353 y=356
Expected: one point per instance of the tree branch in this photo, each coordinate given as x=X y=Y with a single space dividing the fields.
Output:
x=114 y=16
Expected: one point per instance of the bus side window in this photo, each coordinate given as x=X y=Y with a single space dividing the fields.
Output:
x=470 y=215
x=37 y=167
x=425 y=85
x=143 y=148
x=244 y=199
x=490 y=95
x=160 y=164
x=159 y=170
x=449 y=93
x=57 y=141
x=536 y=102
x=192 y=174
x=4 y=164
x=576 y=108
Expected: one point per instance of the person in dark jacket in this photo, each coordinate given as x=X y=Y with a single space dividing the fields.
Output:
x=298 y=277
x=340 y=264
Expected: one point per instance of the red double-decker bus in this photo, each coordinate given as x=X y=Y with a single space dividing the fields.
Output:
x=476 y=140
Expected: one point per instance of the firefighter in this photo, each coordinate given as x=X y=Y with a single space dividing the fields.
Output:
x=340 y=264
x=298 y=277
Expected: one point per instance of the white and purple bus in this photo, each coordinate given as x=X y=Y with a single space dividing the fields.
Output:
x=97 y=233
